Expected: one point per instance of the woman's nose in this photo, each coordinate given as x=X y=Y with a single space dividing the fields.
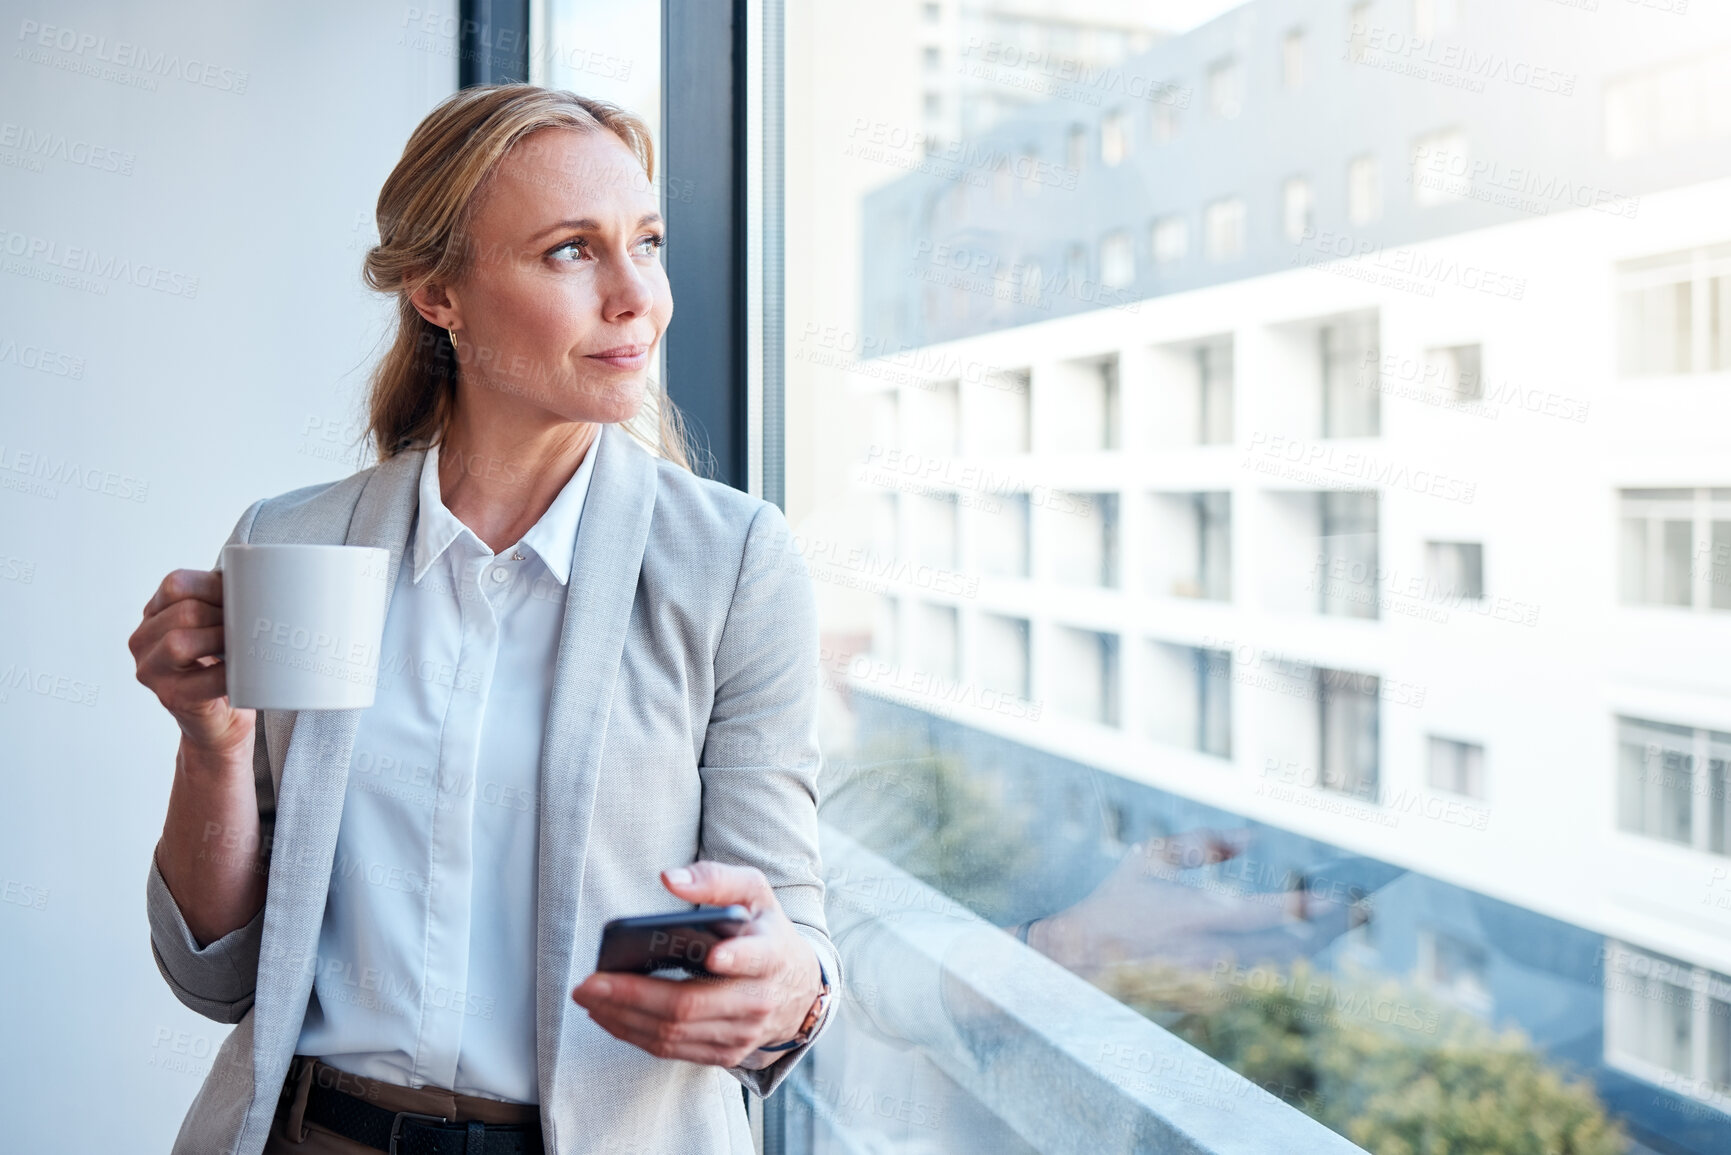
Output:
x=625 y=292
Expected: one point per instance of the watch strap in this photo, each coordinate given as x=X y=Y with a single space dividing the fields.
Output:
x=812 y=1017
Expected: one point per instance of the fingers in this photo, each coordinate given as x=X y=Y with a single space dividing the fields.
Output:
x=1193 y=848
x=183 y=614
x=201 y=685
x=748 y=956
x=701 y=1021
x=702 y=1041
x=669 y=998
x=720 y=883
x=204 y=585
x=179 y=650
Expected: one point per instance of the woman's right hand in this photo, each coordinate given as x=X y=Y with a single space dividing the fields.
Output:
x=178 y=649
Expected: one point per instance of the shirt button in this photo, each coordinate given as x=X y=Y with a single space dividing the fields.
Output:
x=499 y=575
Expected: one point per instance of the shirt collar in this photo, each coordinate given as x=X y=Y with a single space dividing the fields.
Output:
x=553 y=537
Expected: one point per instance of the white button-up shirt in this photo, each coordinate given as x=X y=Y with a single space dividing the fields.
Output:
x=426 y=958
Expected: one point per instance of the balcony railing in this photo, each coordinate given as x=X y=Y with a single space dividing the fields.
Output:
x=954 y=1037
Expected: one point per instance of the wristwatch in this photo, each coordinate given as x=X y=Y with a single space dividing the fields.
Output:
x=812 y=1017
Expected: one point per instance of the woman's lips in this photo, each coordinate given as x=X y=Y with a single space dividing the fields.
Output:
x=623 y=356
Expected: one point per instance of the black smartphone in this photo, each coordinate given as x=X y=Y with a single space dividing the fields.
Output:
x=678 y=941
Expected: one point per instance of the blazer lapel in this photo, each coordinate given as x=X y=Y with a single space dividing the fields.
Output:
x=611 y=537
x=309 y=800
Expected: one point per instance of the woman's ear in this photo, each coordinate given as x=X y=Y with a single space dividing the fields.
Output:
x=435 y=302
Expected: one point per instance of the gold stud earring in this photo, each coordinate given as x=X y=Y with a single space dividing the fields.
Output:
x=454 y=348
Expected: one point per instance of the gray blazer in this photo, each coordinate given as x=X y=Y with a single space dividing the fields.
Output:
x=682 y=726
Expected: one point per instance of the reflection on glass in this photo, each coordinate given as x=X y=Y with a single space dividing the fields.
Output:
x=1245 y=336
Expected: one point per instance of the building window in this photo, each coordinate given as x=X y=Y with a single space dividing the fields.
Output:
x=1223 y=230
x=1668 y=1023
x=1676 y=548
x=934 y=104
x=1109 y=406
x=1191 y=545
x=934 y=13
x=937 y=634
x=934 y=59
x=1076 y=146
x=1671 y=783
x=1004 y=655
x=1110 y=549
x=932 y=522
x=1030 y=294
x=1292 y=60
x=1114 y=143
x=1358 y=33
x=1002 y=529
x=1214 y=371
x=1347 y=552
x=1363 y=190
x=1164 y=122
x=1214 y=546
x=1439 y=168
x=1117 y=260
x=1189 y=698
x=1171 y=240
x=1458 y=767
x=1225 y=88
x=1349 y=732
x=1214 y=713
x=1004 y=290
x=1351 y=404
x=1454 y=969
x=1084 y=674
x=886 y=630
x=1655 y=765
x=1296 y=209
x=1030 y=168
x=1430 y=17
x=1455 y=570
x=1081 y=538
x=1456 y=370
x=1668 y=106
x=1674 y=313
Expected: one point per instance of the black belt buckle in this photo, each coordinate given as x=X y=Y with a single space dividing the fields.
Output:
x=397 y=1125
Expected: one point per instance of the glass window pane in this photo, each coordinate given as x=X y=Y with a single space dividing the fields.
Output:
x=1657 y=779
x=1348 y=551
x=1676 y=577
x=1214 y=390
x=1718 y=566
x=1716 y=795
x=1307 y=392
x=1349 y=751
x=1351 y=403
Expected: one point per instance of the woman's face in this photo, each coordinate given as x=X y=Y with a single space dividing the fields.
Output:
x=563 y=298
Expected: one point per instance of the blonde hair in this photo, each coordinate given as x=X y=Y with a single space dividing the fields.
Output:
x=423 y=215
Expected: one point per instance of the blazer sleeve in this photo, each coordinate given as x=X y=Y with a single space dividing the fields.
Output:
x=218 y=979
x=760 y=754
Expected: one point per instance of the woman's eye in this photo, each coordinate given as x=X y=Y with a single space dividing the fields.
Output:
x=572 y=250
x=650 y=245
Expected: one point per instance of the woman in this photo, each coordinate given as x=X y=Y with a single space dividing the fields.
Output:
x=597 y=699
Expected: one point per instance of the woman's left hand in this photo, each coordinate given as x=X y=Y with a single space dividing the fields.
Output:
x=767 y=979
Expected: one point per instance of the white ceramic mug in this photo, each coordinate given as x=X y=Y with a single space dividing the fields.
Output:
x=302 y=625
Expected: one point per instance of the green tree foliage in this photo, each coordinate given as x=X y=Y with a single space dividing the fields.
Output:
x=1381 y=1063
x=924 y=811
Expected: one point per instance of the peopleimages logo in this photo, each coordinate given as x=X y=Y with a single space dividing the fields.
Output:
x=94 y=263
x=43 y=144
x=89 y=51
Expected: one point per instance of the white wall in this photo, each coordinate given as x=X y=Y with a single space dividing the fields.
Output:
x=259 y=184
